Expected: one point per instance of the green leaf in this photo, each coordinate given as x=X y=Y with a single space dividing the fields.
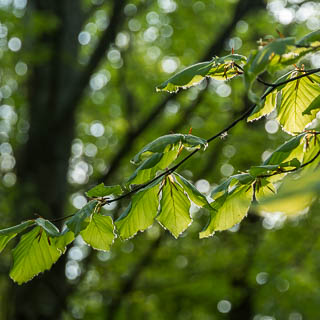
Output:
x=99 y=233
x=169 y=142
x=311 y=39
x=315 y=105
x=49 y=227
x=295 y=194
x=77 y=223
x=243 y=178
x=218 y=68
x=65 y=238
x=101 y=191
x=297 y=96
x=140 y=213
x=264 y=189
x=260 y=59
x=269 y=169
x=174 y=209
x=9 y=233
x=271 y=101
x=230 y=209
x=33 y=254
x=157 y=162
x=289 y=150
x=193 y=193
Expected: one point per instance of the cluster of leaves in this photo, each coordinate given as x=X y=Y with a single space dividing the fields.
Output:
x=161 y=194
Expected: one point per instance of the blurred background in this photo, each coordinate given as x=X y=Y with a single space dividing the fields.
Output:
x=78 y=100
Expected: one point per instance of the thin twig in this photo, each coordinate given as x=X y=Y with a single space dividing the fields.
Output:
x=219 y=134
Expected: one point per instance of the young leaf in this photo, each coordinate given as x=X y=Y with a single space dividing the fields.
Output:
x=315 y=105
x=9 y=233
x=230 y=209
x=77 y=223
x=193 y=193
x=269 y=169
x=218 y=68
x=174 y=209
x=297 y=96
x=101 y=191
x=140 y=213
x=242 y=178
x=289 y=150
x=167 y=143
x=264 y=189
x=271 y=101
x=99 y=233
x=33 y=254
x=311 y=39
x=259 y=60
x=49 y=227
x=65 y=238
x=148 y=169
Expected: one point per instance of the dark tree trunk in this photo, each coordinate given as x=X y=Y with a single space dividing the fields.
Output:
x=43 y=162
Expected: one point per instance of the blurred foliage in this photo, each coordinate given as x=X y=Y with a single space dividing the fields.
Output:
x=264 y=269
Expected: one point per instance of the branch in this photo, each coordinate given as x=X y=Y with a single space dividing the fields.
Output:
x=219 y=134
x=243 y=8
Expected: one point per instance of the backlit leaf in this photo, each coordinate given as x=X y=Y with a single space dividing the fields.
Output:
x=49 y=227
x=157 y=162
x=167 y=143
x=78 y=222
x=193 y=193
x=99 y=233
x=174 y=209
x=101 y=191
x=218 y=68
x=140 y=213
x=297 y=96
x=33 y=254
x=230 y=209
x=9 y=233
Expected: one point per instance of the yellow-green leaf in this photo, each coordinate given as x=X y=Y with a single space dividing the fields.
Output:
x=140 y=213
x=174 y=209
x=9 y=233
x=231 y=208
x=33 y=254
x=99 y=233
x=218 y=68
x=296 y=98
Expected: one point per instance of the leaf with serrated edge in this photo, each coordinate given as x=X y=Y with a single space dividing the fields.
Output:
x=231 y=210
x=174 y=209
x=270 y=102
x=65 y=238
x=193 y=193
x=9 y=233
x=32 y=255
x=289 y=150
x=140 y=213
x=99 y=233
x=296 y=98
x=77 y=222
